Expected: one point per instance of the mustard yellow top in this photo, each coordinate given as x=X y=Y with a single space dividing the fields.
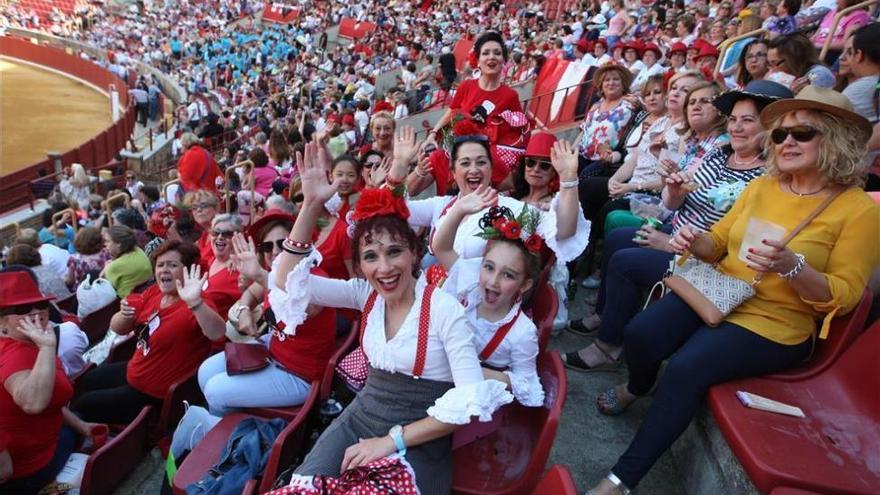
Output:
x=843 y=243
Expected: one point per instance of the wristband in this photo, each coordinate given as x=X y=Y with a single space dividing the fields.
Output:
x=569 y=184
x=196 y=306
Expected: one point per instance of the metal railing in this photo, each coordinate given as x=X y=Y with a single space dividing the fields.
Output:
x=107 y=205
x=165 y=189
x=726 y=44
x=67 y=211
x=250 y=167
x=837 y=17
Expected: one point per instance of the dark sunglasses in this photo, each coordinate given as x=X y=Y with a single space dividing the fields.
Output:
x=545 y=166
x=223 y=233
x=24 y=309
x=800 y=133
x=203 y=205
x=266 y=246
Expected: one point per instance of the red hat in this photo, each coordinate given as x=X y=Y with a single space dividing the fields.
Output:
x=583 y=45
x=382 y=106
x=677 y=47
x=651 y=47
x=540 y=145
x=601 y=41
x=18 y=288
x=698 y=44
x=348 y=119
x=707 y=50
x=270 y=216
x=631 y=45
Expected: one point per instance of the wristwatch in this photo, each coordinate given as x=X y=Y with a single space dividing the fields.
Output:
x=396 y=434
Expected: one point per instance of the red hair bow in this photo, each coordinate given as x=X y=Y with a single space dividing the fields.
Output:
x=379 y=201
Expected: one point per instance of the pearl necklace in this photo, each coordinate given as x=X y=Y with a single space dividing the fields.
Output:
x=737 y=161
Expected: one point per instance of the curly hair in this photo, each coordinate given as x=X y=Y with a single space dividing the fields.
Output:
x=841 y=151
x=189 y=252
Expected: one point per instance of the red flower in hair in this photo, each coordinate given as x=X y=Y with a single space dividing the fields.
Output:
x=511 y=229
x=466 y=127
x=498 y=223
x=379 y=201
x=534 y=243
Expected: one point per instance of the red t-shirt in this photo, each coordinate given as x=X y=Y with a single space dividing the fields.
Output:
x=205 y=249
x=223 y=291
x=469 y=95
x=177 y=345
x=31 y=439
x=197 y=169
x=306 y=353
x=336 y=249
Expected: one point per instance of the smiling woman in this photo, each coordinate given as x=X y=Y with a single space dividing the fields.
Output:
x=42 y=111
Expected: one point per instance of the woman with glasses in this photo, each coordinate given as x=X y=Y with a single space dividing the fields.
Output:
x=369 y=160
x=634 y=259
x=222 y=287
x=536 y=181
x=174 y=327
x=298 y=356
x=752 y=64
x=816 y=148
x=203 y=206
x=37 y=432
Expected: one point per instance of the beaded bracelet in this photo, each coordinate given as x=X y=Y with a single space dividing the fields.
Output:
x=296 y=247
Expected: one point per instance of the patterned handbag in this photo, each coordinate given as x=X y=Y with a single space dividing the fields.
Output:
x=713 y=294
x=354 y=367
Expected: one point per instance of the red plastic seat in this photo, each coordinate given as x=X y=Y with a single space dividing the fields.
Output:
x=835 y=449
x=511 y=459
x=110 y=464
x=185 y=389
x=545 y=304
x=843 y=332
x=557 y=481
x=96 y=324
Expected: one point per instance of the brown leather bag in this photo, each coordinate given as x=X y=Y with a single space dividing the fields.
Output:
x=245 y=358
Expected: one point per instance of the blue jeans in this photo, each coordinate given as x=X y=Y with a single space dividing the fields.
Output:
x=626 y=270
x=699 y=357
x=271 y=386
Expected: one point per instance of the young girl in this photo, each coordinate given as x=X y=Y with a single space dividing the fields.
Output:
x=491 y=288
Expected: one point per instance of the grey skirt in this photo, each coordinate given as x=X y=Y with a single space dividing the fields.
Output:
x=387 y=399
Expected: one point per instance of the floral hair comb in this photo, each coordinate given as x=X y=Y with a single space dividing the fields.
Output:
x=500 y=223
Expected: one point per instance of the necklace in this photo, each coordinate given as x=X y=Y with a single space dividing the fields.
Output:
x=801 y=195
x=737 y=161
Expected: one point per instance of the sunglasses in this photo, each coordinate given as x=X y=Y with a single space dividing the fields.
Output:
x=800 y=133
x=371 y=164
x=544 y=166
x=223 y=233
x=203 y=206
x=266 y=246
x=24 y=309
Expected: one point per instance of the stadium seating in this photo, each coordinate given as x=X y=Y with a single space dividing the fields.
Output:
x=511 y=459
x=96 y=324
x=557 y=481
x=545 y=304
x=110 y=464
x=834 y=449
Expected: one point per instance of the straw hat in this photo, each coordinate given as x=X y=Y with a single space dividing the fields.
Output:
x=819 y=100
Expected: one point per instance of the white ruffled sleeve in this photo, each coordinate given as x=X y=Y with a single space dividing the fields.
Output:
x=463 y=277
x=565 y=249
x=302 y=288
x=473 y=395
x=523 y=372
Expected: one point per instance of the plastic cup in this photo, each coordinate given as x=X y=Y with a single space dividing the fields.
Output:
x=757 y=230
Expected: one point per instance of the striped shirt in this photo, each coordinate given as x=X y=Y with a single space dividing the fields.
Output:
x=699 y=210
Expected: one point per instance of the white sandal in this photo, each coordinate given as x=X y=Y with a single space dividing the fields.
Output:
x=614 y=480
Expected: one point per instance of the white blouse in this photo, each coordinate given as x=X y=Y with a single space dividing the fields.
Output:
x=450 y=354
x=518 y=351
x=429 y=213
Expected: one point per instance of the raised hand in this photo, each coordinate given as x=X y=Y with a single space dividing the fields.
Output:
x=245 y=257
x=190 y=291
x=564 y=158
x=37 y=332
x=483 y=197
x=424 y=167
x=313 y=176
x=379 y=172
x=406 y=146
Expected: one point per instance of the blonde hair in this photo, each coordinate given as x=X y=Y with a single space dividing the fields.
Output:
x=189 y=139
x=79 y=174
x=720 y=124
x=841 y=152
x=198 y=196
x=383 y=115
x=750 y=23
x=688 y=73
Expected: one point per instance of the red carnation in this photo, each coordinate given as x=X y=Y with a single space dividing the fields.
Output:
x=379 y=201
x=466 y=127
x=498 y=223
x=534 y=243
x=511 y=229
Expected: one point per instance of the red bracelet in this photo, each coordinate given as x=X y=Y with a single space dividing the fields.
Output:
x=297 y=244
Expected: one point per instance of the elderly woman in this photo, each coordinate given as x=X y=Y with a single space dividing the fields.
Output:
x=174 y=327
x=197 y=168
x=34 y=441
x=704 y=129
x=816 y=165
x=606 y=123
x=382 y=130
x=129 y=267
x=299 y=355
x=632 y=264
x=396 y=411
x=222 y=286
x=203 y=205
x=90 y=256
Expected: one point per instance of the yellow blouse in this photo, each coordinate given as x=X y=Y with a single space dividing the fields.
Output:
x=843 y=243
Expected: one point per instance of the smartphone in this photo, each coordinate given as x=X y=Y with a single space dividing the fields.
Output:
x=429 y=148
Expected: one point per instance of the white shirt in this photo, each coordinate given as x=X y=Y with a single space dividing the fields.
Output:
x=427 y=213
x=450 y=354
x=518 y=352
x=55 y=258
x=644 y=74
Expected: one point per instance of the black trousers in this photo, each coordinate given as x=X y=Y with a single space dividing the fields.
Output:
x=106 y=397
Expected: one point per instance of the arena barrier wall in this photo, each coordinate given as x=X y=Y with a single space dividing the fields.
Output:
x=97 y=151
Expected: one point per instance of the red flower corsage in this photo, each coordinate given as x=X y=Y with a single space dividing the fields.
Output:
x=511 y=229
x=379 y=201
x=534 y=243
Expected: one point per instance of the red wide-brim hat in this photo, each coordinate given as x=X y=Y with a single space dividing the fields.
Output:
x=18 y=288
